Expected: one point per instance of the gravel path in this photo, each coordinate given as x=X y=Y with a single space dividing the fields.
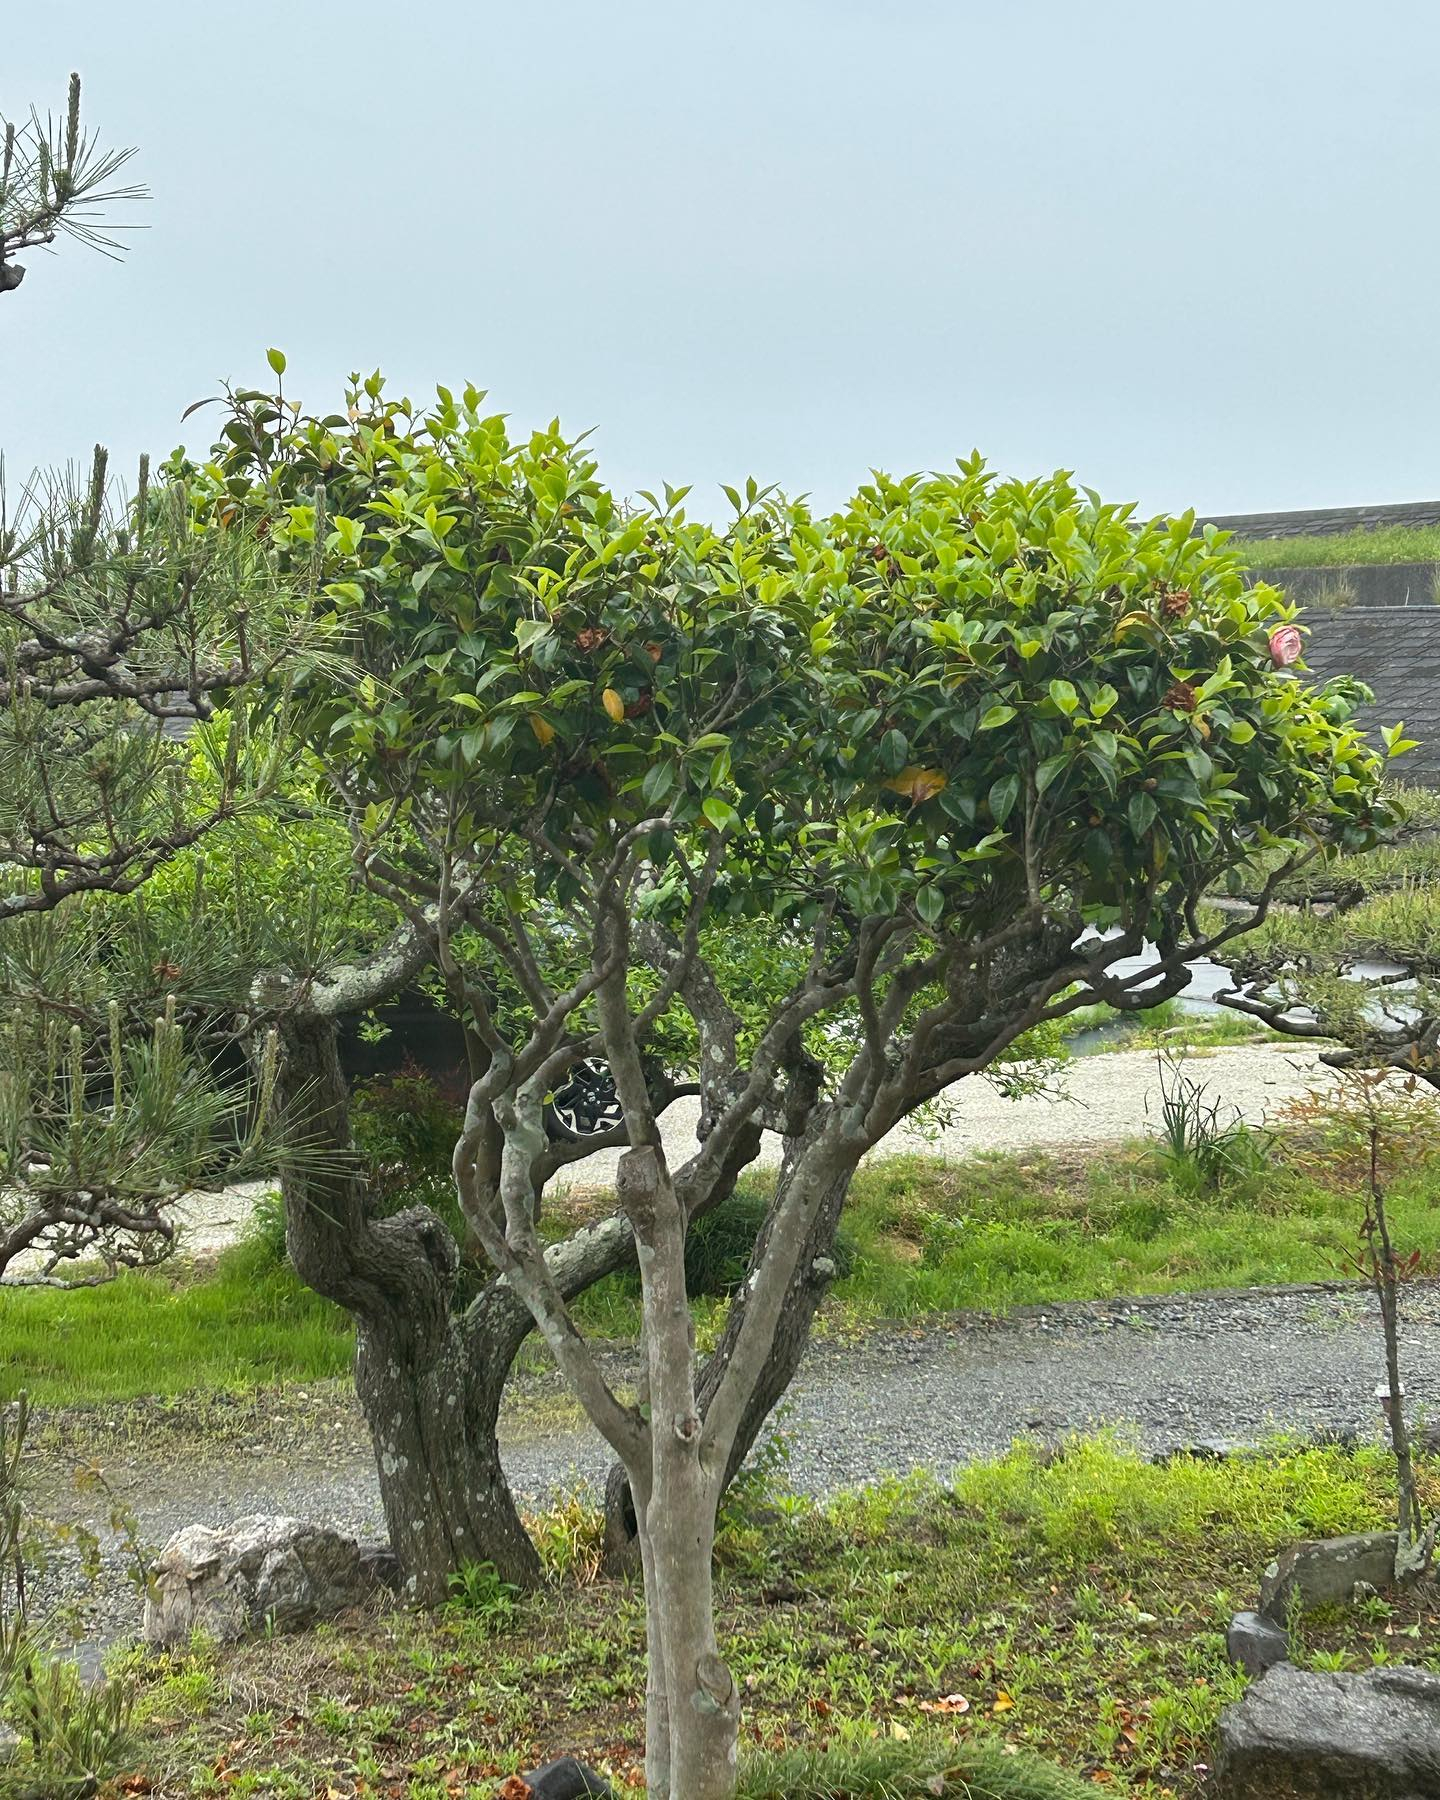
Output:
x=1232 y=1368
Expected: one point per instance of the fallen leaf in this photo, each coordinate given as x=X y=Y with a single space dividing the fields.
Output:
x=917 y=785
x=1002 y=1703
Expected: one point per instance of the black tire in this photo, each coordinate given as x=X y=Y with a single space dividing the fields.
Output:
x=585 y=1105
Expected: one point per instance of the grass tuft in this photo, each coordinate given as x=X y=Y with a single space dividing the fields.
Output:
x=889 y=1770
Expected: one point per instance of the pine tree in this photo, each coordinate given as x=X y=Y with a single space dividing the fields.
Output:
x=56 y=181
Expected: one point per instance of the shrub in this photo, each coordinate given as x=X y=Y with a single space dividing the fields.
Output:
x=1202 y=1152
x=406 y=1124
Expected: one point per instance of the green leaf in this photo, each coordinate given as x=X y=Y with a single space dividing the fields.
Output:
x=276 y=360
x=959 y=802
x=1064 y=696
x=528 y=632
x=1142 y=812
x=894 y=750
x=996 y=716
x=721 y=814
x=1003 y=795
x=659 y=779
x=930 y=903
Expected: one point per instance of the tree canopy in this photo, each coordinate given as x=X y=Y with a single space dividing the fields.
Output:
x=969 y=741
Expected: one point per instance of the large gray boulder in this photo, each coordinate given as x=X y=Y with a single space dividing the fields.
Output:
x=263 y=1571
x=1326 y=1572
x=1298 y=1735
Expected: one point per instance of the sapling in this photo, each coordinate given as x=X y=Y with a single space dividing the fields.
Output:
x=1365 y=1115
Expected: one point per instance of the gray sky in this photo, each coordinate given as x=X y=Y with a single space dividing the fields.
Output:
x=1188 y=249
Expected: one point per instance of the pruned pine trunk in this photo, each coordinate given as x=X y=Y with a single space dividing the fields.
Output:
x=692 y=1705
x=427 y=1382
x=433 y=1419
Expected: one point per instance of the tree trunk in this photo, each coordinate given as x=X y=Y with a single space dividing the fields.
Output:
x=433 y=1423
x=697 y=1759
x=813 y=1275
x=808 y=1286
x=429 y=1383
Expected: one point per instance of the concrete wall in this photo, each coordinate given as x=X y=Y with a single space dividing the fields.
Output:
x=1357 y=584
x=1396 y=651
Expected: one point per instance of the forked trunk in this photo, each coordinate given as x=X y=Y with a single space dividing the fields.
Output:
x=808 y=1286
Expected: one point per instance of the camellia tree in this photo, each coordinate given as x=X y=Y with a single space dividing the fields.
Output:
x=977 y=741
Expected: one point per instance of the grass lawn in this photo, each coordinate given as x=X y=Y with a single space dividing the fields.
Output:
x=920 y=1236
x=1383 y=544
x=995 y=1232
x=247 y=1322
x=1071 y=1606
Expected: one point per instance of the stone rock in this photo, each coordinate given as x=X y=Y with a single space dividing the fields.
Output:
x=265 y=1569
x=1324 y=1572
x=1256 y=1643
x=567 y=1779
x=1298 y=1735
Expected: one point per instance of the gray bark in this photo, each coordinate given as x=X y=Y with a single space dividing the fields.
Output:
x=429 y=1384
x=808 y=1286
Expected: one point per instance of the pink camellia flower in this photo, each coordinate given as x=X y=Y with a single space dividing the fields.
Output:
x=1286 y=644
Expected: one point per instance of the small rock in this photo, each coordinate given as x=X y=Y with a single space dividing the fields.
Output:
x=1300 y=1735
x=1324 y=1572
x=1256 y=1643
x=567 y=1779
x=265 y=1569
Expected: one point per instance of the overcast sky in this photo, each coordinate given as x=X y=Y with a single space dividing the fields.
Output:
x=1188 y=249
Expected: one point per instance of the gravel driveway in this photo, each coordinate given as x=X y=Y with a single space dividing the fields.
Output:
x=1176 y=1372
